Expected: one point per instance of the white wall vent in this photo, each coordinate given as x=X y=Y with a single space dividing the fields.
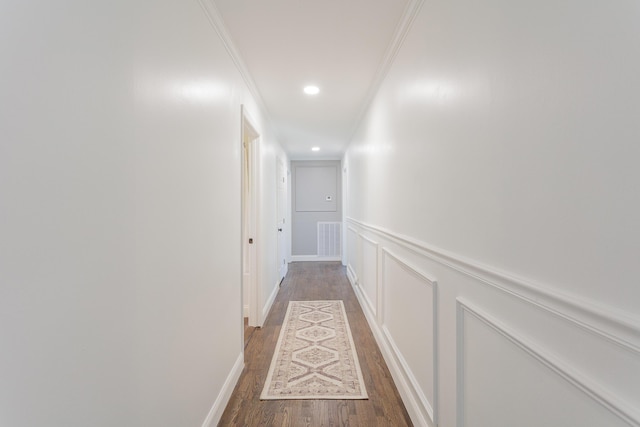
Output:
x=329 y=239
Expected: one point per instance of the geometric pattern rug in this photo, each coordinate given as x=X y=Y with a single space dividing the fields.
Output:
x=315 y=356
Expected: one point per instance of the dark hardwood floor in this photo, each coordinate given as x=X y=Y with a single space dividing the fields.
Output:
x=315 y=281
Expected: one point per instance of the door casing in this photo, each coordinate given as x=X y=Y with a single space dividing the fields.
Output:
x=281 y=202
x=250 y=140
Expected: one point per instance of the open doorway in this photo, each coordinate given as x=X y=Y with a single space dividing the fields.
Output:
x=250 y=155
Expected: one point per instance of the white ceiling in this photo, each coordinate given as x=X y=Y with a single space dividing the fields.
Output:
x=338 y=45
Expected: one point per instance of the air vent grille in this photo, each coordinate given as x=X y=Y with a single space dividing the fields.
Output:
x=329 y=239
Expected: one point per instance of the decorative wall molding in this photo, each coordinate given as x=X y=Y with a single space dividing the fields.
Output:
x=414 y=409
x=214 y=415
x=352 y=269
x=215 y=18
x=427 y=407
x=372 y=305
x=402 y=29
x=601 y=321
x=620 y=409
x=351 y=275
x=365 y=238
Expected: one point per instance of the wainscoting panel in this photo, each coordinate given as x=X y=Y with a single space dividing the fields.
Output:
x=529 y=357
x=352 y=255
x=369 y=275
x=505 y=381
x=409 y=325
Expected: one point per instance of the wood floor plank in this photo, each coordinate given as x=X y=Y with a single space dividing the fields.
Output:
x=307 y=281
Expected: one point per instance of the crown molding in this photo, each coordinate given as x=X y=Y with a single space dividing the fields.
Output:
x=217 y=22
x=397 y=40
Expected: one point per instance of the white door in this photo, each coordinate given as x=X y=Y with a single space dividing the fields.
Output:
x=250 y=292
x=281 y=216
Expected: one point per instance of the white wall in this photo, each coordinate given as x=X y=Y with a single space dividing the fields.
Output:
x=120 y=294
x=268 y=263
x=493 y=211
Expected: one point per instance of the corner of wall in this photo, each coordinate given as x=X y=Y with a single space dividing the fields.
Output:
x=215 y=414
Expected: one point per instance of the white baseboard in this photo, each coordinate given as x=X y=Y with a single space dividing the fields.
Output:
x=300 y=258
x=402 y=383
x=225 y=394
x=245 y=311
x=269 y=303
x=351 y=275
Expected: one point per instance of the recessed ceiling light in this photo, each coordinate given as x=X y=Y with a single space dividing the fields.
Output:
x=311 y=90
x=315 y=149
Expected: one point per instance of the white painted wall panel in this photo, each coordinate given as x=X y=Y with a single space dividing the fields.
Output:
x=575 y=341
x=353 y=253
x=409 y=323
x=369 y=279
x=602 y=360
x=505 y=383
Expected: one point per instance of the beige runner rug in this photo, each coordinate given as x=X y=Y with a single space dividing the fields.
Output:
x=315 y=356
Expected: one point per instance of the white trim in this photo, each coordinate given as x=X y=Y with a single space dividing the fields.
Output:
x=622 y=330
x=354 y=230
x=405 y=390
x=373 y=242
x=367 y=301
x=460 y=373
x=301 y=258
x=269 y=303
x=351 y=275
x=248 y=128
x=410 y=378
x=343 y=213
x=217 y=22
x=377 y=287
x=597 y=393
x=353 y=263
x=402 y=29
x=282 y=234
x=245 y=311
x=214 y=415
x=430 y=408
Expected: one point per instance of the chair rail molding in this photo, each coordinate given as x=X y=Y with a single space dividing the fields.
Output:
x=603 y=321
x=579 y=381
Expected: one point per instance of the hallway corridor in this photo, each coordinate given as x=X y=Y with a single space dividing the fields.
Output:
x=315 y=281
x=462 y=174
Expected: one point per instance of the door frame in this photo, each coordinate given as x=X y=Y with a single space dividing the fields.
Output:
x=282 y=224
x=250 y=214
